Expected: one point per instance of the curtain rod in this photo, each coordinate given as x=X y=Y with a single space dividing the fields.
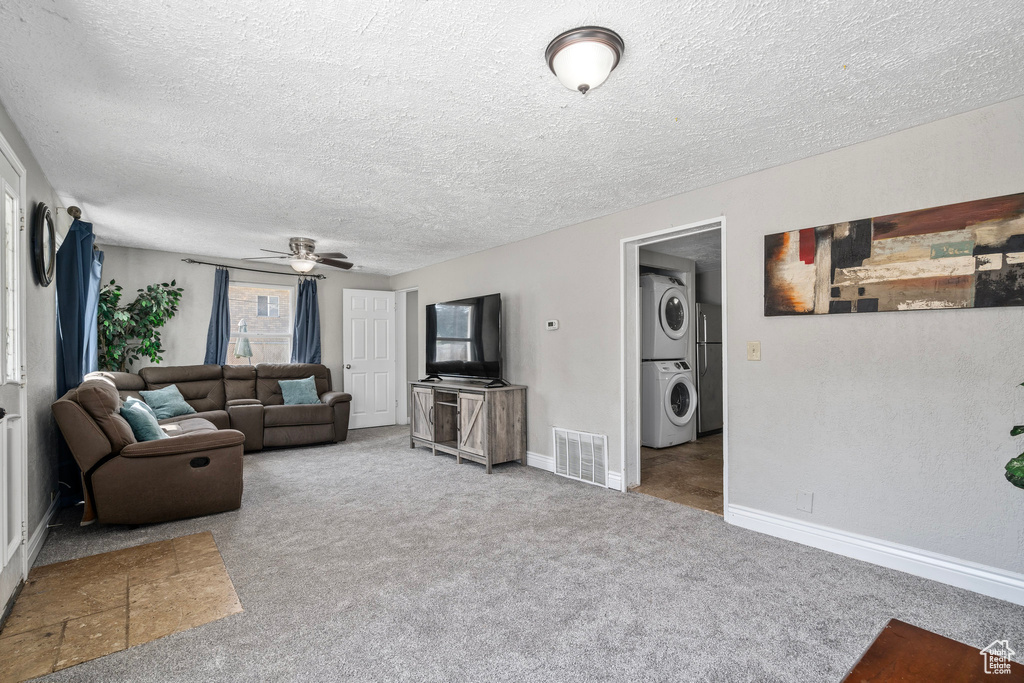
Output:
x=318 y=276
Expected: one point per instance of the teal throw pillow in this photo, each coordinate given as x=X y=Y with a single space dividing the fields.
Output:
x=141 y=419
x=167 y=402
x=142 y=404
x=299 y=392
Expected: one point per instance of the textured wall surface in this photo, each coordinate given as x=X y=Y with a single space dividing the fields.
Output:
x=407 y=133
x=184 y=337
x=897 y=422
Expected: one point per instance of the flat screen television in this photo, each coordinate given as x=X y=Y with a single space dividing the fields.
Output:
x=464 y=338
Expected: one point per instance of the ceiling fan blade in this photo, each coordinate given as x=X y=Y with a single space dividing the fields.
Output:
x=258 y=258
x=271 y=251
x=344 y=265
x=331 y=254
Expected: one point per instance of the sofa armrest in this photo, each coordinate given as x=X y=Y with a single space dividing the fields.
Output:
x=193 y=442
x=333 y=397
x=340 y=403
x=246 y=415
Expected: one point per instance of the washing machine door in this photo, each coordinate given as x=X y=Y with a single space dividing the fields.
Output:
x=674 y=312
x=680 y=400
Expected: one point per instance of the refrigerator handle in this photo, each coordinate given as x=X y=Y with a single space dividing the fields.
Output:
x=704 y=321
x=702 y=365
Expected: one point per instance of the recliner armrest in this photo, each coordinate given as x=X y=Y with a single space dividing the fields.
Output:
x=192 y=442
x=246 y=415
x=333 y=397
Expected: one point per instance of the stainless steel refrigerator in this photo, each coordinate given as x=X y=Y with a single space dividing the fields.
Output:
x=710 y=404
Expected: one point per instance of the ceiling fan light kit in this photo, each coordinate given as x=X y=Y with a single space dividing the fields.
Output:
x=583 y=58
x=302 y=256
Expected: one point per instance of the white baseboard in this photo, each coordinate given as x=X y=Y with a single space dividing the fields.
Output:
x=35 y=542
x=547 y=463
x=996 y=583
x=541 y=462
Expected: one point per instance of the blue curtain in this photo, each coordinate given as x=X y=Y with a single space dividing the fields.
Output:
x=219 y=332
x=306 y=338
x=79 y=270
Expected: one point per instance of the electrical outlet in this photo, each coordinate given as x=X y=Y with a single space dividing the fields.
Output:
x=551 y=324
x=753 y=350
x=805 y=501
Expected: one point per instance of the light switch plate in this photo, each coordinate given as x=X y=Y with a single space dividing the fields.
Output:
x=805 y=501
x=551 y=324
x=754 y=350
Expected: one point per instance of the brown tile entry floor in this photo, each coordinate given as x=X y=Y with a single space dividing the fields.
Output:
x=74 y=611
x=690 y=473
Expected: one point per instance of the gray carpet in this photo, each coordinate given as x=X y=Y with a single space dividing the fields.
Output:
x=368 y=561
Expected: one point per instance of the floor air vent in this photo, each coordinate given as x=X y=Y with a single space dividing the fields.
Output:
x=582 y=456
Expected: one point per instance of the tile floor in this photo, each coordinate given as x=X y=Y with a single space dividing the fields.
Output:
x=690 y=473
x=74 y=611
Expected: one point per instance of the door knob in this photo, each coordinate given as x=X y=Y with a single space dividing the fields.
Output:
x=348 y=367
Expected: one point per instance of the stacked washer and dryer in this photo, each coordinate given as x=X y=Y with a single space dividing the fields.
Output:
x=668 y=404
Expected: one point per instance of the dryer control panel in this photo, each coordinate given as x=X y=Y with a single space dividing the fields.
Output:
x=670 y=365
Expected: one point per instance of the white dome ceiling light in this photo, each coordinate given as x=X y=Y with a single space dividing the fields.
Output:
x=302 y=264
x=584 y=57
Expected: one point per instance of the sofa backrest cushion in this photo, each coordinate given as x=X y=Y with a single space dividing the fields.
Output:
x=202 y=386
x=128 y=384
x=239 y=381
x=87 y=441
x=268 y=391
x=98 y=396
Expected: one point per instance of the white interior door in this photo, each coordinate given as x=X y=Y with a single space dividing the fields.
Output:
x=369 y=327
x=12 y=390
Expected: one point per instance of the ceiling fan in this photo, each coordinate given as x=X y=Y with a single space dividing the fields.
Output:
x=303 y=256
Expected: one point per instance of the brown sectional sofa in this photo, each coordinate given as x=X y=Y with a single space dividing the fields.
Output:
x=196 y=472
x=248 y=398
x=199 y=470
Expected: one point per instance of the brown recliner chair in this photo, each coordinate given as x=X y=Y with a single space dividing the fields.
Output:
x=198 y=471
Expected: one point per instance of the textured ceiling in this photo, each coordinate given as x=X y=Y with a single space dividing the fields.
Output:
x=703 y=248
x=407 y=133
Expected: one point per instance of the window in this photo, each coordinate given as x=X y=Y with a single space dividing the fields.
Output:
x=268 y=306
x=11 y=359
x=261 y=323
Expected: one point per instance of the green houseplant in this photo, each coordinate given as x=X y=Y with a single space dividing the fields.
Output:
x=130 y=332
x=1015 y=468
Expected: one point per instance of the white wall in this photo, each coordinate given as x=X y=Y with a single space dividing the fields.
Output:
x=412 y=337
x=184 y=336
x=709 y=287
x=898 y=422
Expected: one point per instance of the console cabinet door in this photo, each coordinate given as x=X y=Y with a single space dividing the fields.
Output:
x=472 y=423
x=422 y=407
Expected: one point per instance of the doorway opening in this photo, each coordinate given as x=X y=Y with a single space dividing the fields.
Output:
x=673 y=374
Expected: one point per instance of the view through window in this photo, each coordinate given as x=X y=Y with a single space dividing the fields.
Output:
x=261 y=324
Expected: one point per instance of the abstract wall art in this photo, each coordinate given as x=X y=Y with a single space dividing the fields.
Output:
x=967 y=255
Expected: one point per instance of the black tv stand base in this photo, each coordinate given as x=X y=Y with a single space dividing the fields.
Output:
x=431 y=378
x=497 y=383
